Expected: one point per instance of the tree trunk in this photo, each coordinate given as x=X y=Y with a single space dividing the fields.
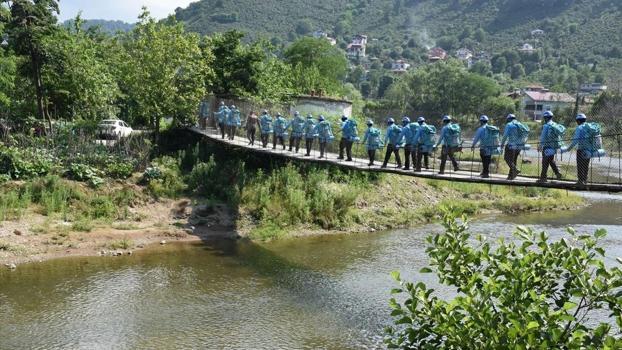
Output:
x=41 y=108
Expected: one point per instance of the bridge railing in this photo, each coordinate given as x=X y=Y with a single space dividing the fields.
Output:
x=606 y=169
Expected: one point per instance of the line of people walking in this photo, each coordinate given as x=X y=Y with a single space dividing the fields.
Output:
x=419 y=140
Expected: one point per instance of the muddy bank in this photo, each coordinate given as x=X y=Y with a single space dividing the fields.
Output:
x=36 y=237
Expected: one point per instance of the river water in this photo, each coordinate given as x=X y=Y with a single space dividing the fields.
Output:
x=314 y=293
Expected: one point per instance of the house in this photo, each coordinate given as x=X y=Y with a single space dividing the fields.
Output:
x=437 y=54
x=527 y=48
x=535 y=103
x=593 y=88
x=535 y=88
x=320 y=34
x=357 y=47
x=400 y=66
x=537 y=32
x=464 y=54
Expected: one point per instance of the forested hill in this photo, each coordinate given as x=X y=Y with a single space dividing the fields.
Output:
x=582 y=29
x=105 y=25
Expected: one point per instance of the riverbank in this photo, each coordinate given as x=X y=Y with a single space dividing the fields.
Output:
x=97 y=222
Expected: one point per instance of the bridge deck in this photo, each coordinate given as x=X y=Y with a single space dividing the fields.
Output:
x=469 y=175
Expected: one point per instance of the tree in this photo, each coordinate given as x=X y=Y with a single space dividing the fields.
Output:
x=81 y=84
x=165 y=72
x=318 y=54
x=518 y=71
x=447 y=88
x=236 y=66
x=28 y=24
x=499 y=64
x=304 y=27
x=523 y=293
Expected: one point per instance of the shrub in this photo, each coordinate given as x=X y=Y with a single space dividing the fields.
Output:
x=119 y=170
x=124 y=243
x=164 y=178
x=524 y=293
x=24 y=163
x=85 y=173
x=102 y=207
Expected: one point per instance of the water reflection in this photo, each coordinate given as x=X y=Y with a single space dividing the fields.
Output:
x=318 y=292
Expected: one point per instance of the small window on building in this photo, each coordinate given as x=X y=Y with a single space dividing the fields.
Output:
x=539 y=107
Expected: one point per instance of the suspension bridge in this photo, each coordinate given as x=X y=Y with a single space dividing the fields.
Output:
x=605 y=173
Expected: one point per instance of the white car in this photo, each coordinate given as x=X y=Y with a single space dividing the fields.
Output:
x=114 y=128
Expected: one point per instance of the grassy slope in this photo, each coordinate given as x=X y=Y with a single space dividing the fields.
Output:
x=400 y=202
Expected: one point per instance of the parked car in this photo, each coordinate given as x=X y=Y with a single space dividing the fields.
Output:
x=114 y=128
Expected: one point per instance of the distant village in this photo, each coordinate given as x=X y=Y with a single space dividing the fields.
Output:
x=534 y=100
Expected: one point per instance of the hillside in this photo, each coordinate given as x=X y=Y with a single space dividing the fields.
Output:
x=105 y=25
x=580 y=29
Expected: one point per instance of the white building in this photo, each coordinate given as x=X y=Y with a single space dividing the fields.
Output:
x=358 y=46
x=527 y=48
x=400 y=66
x=537 y=32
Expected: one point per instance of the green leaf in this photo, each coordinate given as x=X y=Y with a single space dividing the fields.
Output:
x=396 y=275
x=569 y=305
x=533 y=325
x=425 y=270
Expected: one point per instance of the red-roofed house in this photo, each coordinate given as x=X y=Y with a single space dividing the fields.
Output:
x=437 y=54
x=535 y=103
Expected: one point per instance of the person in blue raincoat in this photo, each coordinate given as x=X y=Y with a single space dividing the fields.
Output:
x=587 y=147
x=233 y=121
x=310 y=133
x=298 y=131
x=324 y=133
x=265 y=128
x=372 y=141
x=393 y=141
x=221 y=118
x=450 y=140
x=512 y=143
x=483 y=138
x=424 y=142
x=349 y=135
x=280 y=126
x=550 y=143
x=409 y=130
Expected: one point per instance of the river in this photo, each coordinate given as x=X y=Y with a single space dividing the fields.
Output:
x=326 y=292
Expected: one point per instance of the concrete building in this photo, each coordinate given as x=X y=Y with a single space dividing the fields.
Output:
x=357 y=48
x=535 y=103
x=400 y=67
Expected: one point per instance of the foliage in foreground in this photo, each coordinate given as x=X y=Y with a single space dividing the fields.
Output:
x=525 y=293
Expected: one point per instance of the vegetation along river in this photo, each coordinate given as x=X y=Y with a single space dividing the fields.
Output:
x=318 y=292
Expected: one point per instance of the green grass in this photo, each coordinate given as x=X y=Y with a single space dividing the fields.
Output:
x=124 y=243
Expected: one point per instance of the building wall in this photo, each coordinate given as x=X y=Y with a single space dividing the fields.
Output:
x=541 y=107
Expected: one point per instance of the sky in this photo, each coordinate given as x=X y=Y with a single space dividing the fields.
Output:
x=124 y=10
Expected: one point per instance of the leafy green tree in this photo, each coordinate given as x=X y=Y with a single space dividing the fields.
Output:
x=319 y=55
x=447 y=87
x=236 y=66
x=164 y=73
x=27 y=25
x=523 y=293
x=81 y=84
x=518 y=71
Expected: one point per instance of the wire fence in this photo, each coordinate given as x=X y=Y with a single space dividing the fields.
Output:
x=563 y=168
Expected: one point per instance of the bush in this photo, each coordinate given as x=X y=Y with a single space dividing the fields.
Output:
x=524 y=293
x=24 y=163
x=85 y=173
x=164 y=178
x=102 y=207
x=119 y=170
